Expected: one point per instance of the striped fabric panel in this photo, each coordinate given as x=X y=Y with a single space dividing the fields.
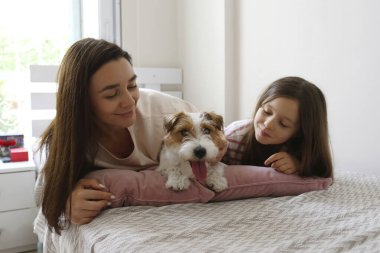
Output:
x=235 y=133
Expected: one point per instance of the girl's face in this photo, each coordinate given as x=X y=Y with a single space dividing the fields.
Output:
x=114 y=94
x=276 y=121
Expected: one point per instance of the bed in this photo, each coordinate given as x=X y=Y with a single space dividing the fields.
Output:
x=343 y=218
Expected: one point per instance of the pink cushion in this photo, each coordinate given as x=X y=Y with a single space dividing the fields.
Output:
x=253 y=181
x=148 y=187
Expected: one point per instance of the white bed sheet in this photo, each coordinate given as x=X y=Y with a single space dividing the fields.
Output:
x=345 y=218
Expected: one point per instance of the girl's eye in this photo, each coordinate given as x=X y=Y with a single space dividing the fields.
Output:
x=184 y=132
x=206 y=130
x=266 y=112
x=284 y=125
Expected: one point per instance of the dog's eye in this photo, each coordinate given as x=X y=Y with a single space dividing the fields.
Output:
x=184 y=132
x=206 y=130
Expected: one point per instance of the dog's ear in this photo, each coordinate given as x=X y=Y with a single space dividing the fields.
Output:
x=171 y=120
x=216 y=119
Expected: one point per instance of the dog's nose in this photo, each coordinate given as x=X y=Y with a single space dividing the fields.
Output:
x=199 y=152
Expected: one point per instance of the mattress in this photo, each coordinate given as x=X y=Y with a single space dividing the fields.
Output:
x=344 y=218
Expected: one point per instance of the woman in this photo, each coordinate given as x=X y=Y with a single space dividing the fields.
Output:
x=102 y=121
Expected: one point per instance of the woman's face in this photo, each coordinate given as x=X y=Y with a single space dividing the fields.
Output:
x=276 y=121
x=114 y=94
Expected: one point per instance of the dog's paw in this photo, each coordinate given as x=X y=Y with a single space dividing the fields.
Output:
x=178 y=183
x=217 y=184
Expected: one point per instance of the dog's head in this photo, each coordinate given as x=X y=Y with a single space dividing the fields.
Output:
x=197 y=137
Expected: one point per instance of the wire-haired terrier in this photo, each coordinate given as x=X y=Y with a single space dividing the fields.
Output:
x=190 y=147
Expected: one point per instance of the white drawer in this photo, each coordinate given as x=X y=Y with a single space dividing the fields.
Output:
x=16 y=190
x=16 y=228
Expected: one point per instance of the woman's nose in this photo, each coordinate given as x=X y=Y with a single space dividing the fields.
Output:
x=127 y=100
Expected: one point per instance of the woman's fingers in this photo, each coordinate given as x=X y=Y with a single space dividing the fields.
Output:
x=83 y=216
x=90 y=183
x=87 y=200
x=93 y=194
x=83 y=209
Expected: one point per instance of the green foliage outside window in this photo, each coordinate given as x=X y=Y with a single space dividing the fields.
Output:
x=16 y=54
x=8 y=120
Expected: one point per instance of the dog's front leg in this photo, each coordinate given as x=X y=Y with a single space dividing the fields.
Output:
x=178 y=178
x=215 y=177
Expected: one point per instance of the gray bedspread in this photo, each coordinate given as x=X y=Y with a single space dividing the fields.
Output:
x=345 y=218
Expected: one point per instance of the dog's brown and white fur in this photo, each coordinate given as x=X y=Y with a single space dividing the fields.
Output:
x=191 y=143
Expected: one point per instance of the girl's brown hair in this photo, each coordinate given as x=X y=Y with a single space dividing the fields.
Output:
x=311 y=144
x=69 y=140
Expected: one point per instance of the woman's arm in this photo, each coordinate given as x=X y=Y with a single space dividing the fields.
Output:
x=87 y=200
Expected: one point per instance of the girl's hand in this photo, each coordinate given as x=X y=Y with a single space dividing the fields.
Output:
x=87 y=200
x=283 y=162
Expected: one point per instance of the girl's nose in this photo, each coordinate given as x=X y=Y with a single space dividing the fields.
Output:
x=268 y=123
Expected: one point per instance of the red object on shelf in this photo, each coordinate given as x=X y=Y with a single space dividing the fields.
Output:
x=8 y=143
x=19 y=155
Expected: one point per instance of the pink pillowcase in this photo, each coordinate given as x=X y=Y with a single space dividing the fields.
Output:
x=148 y=187
x=252 y=181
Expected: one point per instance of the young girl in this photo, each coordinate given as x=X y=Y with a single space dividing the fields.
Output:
x=289 y=131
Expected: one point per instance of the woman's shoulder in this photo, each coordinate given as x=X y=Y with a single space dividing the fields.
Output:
x=156 y=101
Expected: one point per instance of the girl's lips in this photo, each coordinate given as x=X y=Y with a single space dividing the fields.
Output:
x=263 y=133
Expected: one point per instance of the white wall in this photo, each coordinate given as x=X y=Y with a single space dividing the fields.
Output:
x=188 y=34
x=230 y=50
x=334 y=44
x=149 y=32
x=201 y=52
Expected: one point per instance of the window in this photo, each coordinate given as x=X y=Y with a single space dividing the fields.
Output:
x=39 y=32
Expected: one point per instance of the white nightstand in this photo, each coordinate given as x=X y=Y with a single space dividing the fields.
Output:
x=17 y=206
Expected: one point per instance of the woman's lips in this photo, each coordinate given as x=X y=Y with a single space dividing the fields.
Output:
x=126 y=114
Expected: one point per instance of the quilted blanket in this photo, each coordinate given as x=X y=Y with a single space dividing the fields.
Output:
x=344 y=218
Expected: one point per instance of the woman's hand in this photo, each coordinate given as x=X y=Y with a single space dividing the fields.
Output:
x=283 y=162
x=87 y=200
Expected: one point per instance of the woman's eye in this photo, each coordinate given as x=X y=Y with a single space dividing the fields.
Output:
x=184 y=133
x=112 y=95
x=206 y=131
x=132 y=86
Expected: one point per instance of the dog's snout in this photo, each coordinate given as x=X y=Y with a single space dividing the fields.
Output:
x=199 y=152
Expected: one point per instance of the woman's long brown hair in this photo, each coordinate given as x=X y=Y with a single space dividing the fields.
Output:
x=311 y=144
x=69 y=140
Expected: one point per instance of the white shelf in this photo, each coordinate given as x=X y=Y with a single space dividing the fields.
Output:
x=17 y=166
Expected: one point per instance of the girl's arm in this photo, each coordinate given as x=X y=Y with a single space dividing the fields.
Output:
x=283 y=162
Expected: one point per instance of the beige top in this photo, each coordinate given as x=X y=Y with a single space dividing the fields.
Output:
x=146 y=133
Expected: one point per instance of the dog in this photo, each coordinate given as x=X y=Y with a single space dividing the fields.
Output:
x=191 y=143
